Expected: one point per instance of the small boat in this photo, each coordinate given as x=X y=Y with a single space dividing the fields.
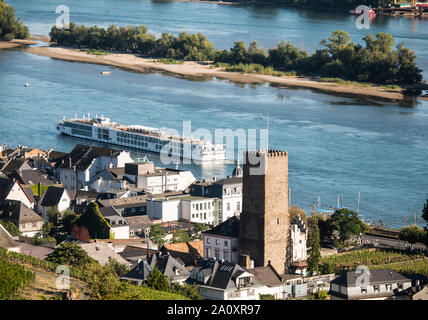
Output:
x=27 y=85
x=105 y=73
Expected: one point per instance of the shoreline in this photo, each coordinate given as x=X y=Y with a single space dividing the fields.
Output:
x=16 y=43
x=196 y=69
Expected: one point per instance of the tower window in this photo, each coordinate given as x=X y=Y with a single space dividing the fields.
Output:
x=277 y=220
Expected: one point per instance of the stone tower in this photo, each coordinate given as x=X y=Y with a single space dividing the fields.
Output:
x=265 y=223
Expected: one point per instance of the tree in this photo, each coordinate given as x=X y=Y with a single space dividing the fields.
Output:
x=347 y=223
x=157 y=235
x=180 y=236
x=80 y=233
x=197 y=231
x=9 y=27
x=69 y=253
x=412 y=234
x=119 y=268
x=313 y=245
x=102 y=282
x=157 y=280
x=286 y=56
x=186 y=290
x=92 y=219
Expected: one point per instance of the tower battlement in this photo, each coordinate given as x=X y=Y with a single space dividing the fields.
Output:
x=267 y=153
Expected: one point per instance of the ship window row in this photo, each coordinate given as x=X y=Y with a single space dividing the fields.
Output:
x=77 y=126
x=148 y=139
x=81 y=132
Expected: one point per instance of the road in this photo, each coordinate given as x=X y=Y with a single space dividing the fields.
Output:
x=391 y=243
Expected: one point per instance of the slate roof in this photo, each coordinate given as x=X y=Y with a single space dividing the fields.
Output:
x=165 y=263
x=299 y=222
x=266 y=275
x=230 y=180
x=228 y=228
x=6 y=240
x=132 y=253
x=101 y=252
x=15 y=164
x=377 y=276
x=19 y=212
x=31 y=177
x=52 y=196
x=139 y=221
x=225 y=274
x=82 y=156
x=109 y=212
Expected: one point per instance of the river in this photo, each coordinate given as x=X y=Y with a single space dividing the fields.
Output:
x=337 y=145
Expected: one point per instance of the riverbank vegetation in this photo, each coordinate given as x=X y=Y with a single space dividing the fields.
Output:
x=372 y=258
x=376 y=62
x=11 y=28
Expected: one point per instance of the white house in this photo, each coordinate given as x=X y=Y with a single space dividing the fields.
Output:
x=228 y=191
x=15 y=191
x=53 y=197
x=119 y=228
x=77 y=169
x=368 y=284
x=221 y=242
x=191 y=208
x=158 y=180
x=299 y=237
x=224 y=281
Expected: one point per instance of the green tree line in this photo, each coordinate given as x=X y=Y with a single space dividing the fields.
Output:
x=378 y=61
x=11 y=28
x=136 y=40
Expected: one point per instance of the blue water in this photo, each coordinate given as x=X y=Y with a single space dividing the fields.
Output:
x=337 y=145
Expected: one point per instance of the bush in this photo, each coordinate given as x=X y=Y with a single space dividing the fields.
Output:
x=11 y=228
x=70 y=254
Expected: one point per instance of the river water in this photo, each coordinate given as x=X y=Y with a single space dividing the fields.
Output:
x=337 y=145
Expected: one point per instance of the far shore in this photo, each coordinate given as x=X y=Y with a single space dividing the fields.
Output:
x=197 y=69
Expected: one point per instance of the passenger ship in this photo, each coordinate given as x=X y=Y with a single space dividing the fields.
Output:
x=142 y=138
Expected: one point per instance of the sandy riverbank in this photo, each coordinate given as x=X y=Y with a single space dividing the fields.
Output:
x=15 y=43
x=195 y=69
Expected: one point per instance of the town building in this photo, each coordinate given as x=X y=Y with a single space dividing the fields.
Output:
x=190 y=252
x=13 y=190
x=79 y=167
x=158 y=180
x=368 y=284
x=224 y=281
x=139 y=226
x=183 y=207
x=28 y=222
x=264 y=221
x=172 y=268
x=119 y=228
x=299 y=236
x=228 y=191
x=54 y=197
x=221 y=242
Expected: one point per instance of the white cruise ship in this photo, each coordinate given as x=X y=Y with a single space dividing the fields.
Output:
x=142 y=138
